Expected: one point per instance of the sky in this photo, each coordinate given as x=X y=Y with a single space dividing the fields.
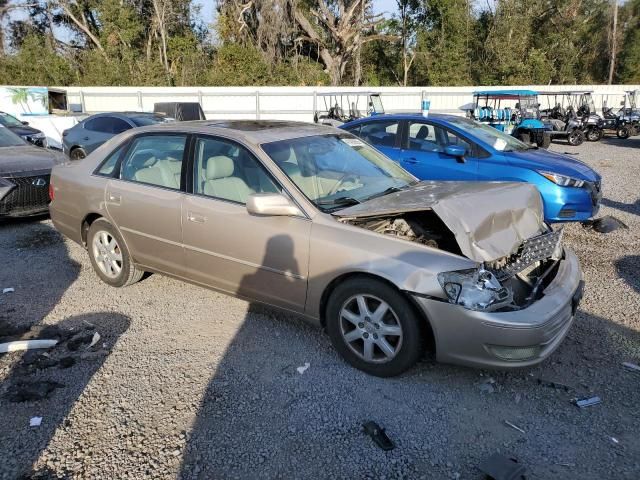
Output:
x=379 y=6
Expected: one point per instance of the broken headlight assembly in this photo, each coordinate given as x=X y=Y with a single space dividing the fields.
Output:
x=475 y=289
x=562 y=180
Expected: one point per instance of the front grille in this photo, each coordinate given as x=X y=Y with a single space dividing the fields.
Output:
x=29 y=196
x=531 y=251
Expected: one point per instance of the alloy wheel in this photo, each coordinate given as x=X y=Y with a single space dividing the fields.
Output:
x=370 y=328
x=107 y=254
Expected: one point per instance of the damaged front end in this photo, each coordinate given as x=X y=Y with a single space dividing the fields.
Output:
x=516 y=252
x=510 y=283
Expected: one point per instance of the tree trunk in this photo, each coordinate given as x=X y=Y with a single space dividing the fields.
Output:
x=614 y=42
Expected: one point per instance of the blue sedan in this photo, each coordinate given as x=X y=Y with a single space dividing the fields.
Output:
x=447 y=147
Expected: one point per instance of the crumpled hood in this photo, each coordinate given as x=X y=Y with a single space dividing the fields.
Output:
x=25 y=158
x=552 y=162
x=490 y=220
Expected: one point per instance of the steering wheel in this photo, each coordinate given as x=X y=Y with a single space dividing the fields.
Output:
x=341 y=181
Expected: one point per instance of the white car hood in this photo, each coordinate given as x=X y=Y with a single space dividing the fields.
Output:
x=490 y=220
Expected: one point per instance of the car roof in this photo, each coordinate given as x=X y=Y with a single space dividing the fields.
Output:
x=252 y=131
x=439 y=117
x=123 y=114
x=506 y=93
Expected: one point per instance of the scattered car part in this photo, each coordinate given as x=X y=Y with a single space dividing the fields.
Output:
x=606 y=224
x=19 y=345
x=303 y=368
x=378 y=435
x=554 y=384
x=35 y=421
x=95 y=339
x=499 y=467
x=31 y=391
x=586 y=401
x=515 y=427
x=631 y=366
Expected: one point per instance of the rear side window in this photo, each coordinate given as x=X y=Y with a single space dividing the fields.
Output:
x=108 y=166
x=107 y=125
x=382 y=134
x=155 y=160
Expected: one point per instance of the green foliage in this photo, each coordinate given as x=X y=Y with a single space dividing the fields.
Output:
x=441 y=42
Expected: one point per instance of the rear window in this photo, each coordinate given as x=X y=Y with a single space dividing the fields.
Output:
x=144 y=120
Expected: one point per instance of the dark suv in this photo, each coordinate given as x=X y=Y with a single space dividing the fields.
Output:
x=90 y=133
x=23 y=130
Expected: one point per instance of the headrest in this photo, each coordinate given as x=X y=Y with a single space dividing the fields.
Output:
x=423 y=132
x=280 y=155
x=219 y=167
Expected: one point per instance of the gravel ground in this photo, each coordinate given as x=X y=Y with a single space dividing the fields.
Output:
x=188 y=383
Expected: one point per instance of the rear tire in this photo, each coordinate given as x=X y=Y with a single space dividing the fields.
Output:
x=623 y=132
x=77 y=153
x=546 y=141
x=524 y=137
x=109 y=255
x=374 y=327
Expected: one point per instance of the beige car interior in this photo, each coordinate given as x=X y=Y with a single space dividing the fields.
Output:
x=155 y=166
x=229 y=172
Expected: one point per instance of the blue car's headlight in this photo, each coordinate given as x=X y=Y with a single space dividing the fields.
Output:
x=562 y=180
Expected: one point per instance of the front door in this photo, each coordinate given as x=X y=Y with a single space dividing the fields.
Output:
x=423 y=153
x=258 y=257
x=145 y=201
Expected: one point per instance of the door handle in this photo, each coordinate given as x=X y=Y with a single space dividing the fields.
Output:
x=410 y=160
x=196 y=217
x=114 y=198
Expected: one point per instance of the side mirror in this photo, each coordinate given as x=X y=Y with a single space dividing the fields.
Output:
x=25 y=123
x=271 y=204
x=455 y=151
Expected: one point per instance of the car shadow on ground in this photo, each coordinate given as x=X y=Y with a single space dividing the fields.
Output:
x=33 y=384
x=633 y=208
x=267 y=414
x=633 y=142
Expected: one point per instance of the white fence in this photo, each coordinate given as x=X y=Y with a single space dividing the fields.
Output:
x=297 y=103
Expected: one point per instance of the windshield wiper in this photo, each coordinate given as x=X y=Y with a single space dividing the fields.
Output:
x=338 y=202
x=383 y=193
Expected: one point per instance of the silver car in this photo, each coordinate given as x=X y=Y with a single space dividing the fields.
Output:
x=312 y=220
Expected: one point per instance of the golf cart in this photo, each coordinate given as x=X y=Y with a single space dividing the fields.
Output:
x=621 y=122
x=631 y=109
x=592 y=123
x=337 y=108
x=515 y=112
x=560 y=118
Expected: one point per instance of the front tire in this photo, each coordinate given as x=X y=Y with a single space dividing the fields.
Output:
x=576 y=137
x=374 y=327
x=623 y=132
x=109 y=255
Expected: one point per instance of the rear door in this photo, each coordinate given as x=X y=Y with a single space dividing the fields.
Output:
x=98 y=130
x=423 y=153
x=258 y=257
x=145 y=200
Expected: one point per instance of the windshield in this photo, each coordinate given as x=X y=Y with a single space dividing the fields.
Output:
x=529 y=107
x=337 y=170
x=144 y=120
x=497 y=139
x=9 y=120
x=9 y=139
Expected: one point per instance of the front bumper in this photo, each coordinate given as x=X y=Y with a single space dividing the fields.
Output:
x=26 y=195
x=467 y=337
x=569 y=204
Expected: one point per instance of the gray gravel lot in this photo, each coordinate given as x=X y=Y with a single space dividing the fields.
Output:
x=188 y=383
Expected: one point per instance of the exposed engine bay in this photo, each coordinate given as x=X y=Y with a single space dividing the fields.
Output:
x=508 y=283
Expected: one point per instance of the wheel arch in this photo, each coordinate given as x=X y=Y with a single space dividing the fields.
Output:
x=426 y=328
x=86 y=224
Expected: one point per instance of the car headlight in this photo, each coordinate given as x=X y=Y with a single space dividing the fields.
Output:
x=475 y=289
x=562 y=180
